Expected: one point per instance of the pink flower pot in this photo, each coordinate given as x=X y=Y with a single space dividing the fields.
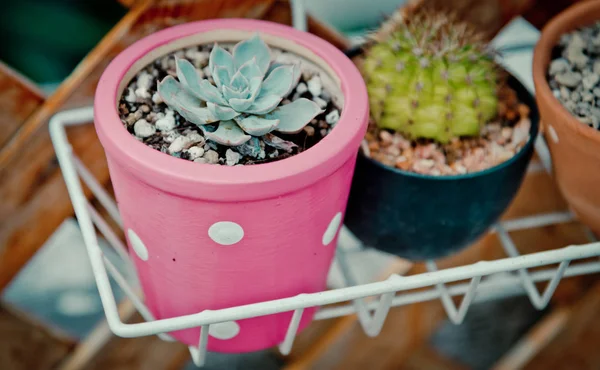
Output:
x=210 y=237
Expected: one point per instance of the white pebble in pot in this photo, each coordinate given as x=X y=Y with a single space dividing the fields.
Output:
x=314 y=86
x=226 y=233
x=143 y=129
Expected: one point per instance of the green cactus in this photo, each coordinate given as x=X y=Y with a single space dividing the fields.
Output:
x=430 y=76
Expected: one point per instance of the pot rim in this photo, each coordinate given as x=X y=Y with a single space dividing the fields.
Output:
x=566 y=21
x=533 y=132
x=224 y=183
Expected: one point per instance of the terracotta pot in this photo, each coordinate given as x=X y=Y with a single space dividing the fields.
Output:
x=208 y=236
x=574 y=147
x=428 y=217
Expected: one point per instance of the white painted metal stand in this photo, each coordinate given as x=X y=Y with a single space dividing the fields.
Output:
x=484 y=279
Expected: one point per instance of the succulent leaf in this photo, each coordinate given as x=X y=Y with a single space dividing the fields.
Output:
x=221 y=76
x=188 y=76
x=228 y=133
x=255 y=125
x=294 y=116
x=181 y=100
x=221 y=113
x=264 y=104
x=220 y=57
x=279 y=81
x=253 y=47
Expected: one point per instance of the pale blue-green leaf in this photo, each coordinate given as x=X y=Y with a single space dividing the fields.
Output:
x=229 y=93
x=186 y=104
x=253 y=47
x=241 y=105
x=221 y=113
x=256 y=126
x=239 y=82
x=294 y=116
x=219 y=57
x=251 y=148
x=279 y=81
x=296 y=75
x=221 y=76
x=264 y=104
x=228 y=133
x=251 y=70
x=188 y=76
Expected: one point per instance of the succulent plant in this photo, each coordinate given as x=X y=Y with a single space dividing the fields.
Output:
x=245 y=98
x=430 y=76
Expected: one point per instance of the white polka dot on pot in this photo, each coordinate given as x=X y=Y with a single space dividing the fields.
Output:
x=224 y=330
x=553 y=133
x=332 y=228
x=138 y=246
x=226 y=232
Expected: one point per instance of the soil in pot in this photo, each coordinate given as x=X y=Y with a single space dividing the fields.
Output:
x=574 y=73
x=151 y=121
x=500 y=139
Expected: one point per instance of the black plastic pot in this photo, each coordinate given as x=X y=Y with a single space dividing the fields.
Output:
x=428 y=217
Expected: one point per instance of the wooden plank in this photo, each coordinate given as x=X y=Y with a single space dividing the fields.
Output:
x=138 y=354
x=25 y=344
x=34 y=201
x=576 y=346
x=19 y=98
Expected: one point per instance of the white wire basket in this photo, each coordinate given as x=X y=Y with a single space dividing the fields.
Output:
x=486 y=279
x=371 y=302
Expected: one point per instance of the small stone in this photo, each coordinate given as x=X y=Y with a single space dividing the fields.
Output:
x=195 y=152
x=575 y=96
x=310 y=131
x=143 y=129
x=597 y=67
x=585 y=120
x=596 y=92
x=556 y=93
x=587 y=96
x=201 y=160
x=571 y=106
x=195 y=138
x=423 y=165
x=577 y=57
x=130 y=97
x=323 y=132
x=520 y=133
x=332 y=117
x=569 y=79
x=301 y=88
x=315 y=86
x=145 y=108
x=386 y=137
x=559 y=65
x=231 y=157
x=167 y=123
x=156 y=98
x=320 y=102
x=590 y=81
x=507 y=132
x=142 y=93
x=211 y=157
x=133 y=118
x=595 y=122
x=206 y=72
x=178 y=144
x=145 y=80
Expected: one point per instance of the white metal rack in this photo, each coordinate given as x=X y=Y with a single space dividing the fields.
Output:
x=479 y=281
